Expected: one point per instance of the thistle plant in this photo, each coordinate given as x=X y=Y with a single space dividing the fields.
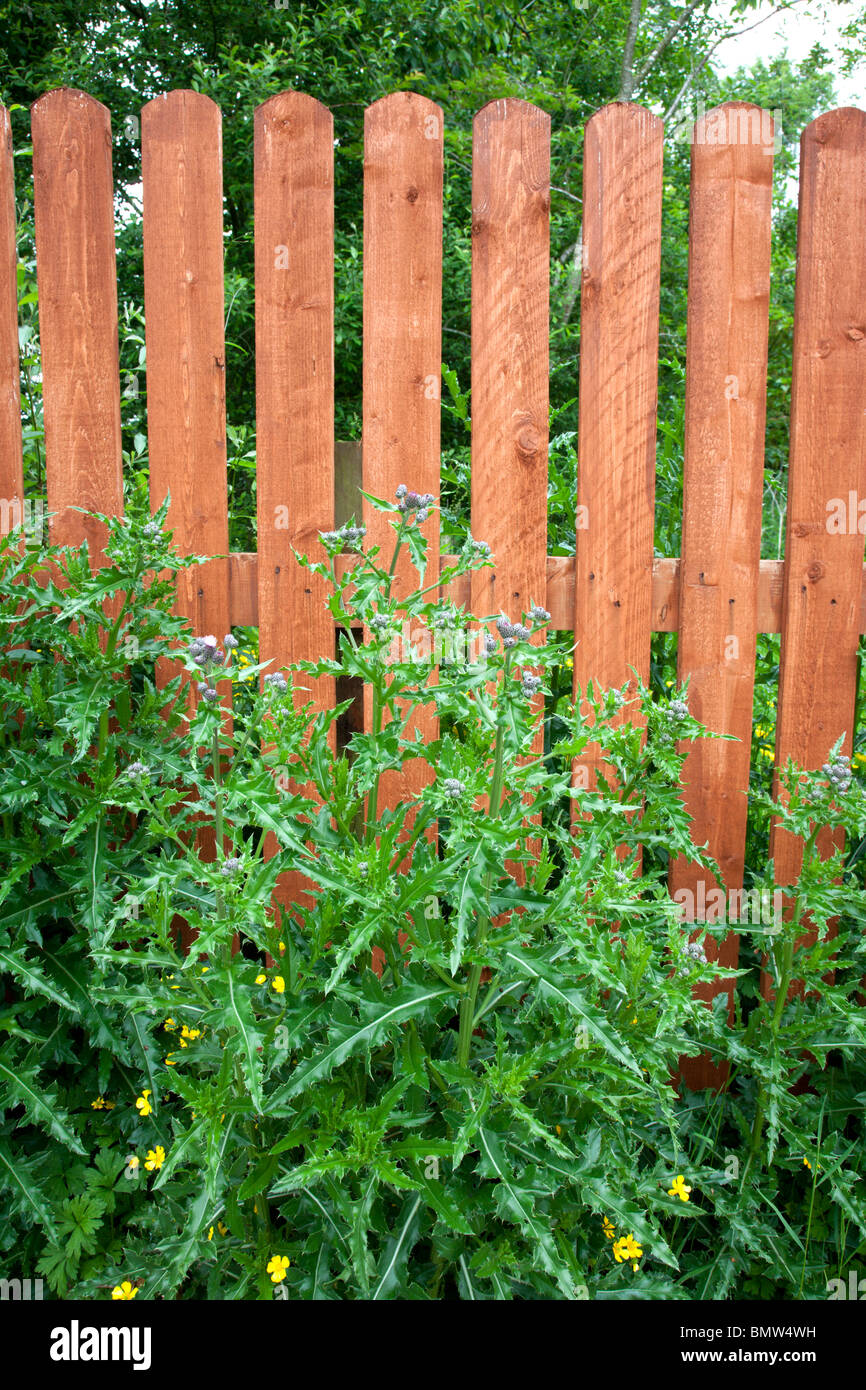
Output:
x=273 y=1031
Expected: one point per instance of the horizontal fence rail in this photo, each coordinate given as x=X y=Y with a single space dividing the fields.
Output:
x=614 y=592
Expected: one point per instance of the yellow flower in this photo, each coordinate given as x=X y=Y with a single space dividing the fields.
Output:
x=204 y=970
x=223 y=1230
x=558 y=1129
x=282 y=948
x=759 y=732
x=169 y=1061
x=680 y=1189
x=808 y=1164
x=98 y=1104
x=133 y=1162
x=169 y=1025
x=279 y=984
x=609 y=1228
x=627 y=1249
x=190 y=1033
x=210 y=1234
x=277 y=1266
x=124 y=1291
x=260 y=979
x=767 y=753
x=154 y=1158
x=143 y=1105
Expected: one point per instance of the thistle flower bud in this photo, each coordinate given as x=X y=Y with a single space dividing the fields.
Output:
x=379 y=622
x=230 y=642
x=402 y=490
x=210 y=695
x=539 y=614
x=489 y=642
x=453 y=787
x=151 y=529
x=509 y=642
x=137 y=770
x=230 y=867
x=422 y=515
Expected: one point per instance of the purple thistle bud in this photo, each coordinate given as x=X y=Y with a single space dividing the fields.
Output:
x=231 y=866
x=230 y=642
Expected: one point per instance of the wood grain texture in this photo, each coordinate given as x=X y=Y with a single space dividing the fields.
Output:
x=11 y=466
x=726 y=386
x=510 y=314
x=77 y=282
x=294 y=230
x=618 y=394
x=403 y=173
x=184 y=315
x=560 y=591
x=823 y=569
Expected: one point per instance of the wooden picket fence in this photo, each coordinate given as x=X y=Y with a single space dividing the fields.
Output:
x=614 y=593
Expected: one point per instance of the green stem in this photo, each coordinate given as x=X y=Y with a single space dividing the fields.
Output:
x=467 y=1006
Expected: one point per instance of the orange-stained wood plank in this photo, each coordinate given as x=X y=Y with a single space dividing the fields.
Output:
x=560 y=591
x=11 y=465
x=618 y=392
x=184 y=315
x=823 y=567
x=510 y=312
x=294 y=255
x=77 y=280
x=510 y=364
x=294 y=229
x=726 y=386
x=403 y=172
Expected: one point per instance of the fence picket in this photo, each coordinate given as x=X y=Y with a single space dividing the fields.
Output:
x=77 y=279
x=726 y=379
x=11 y=463
x=823 y=568
x=618 y=391
x=403 y=174
x=184 y=317
x=294 y=228
x=510 y=315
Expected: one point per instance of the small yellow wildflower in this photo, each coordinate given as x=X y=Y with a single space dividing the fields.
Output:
x=169 y=1061
x=124 y=1291
x=143 y=1105
x=154 y=1158
x=808 y=1164
x=277 y=1266
x=282 y=948
x=205 y=969
x=627 y=1249
x=133 y=1162
x=98 y=1104
x=169 y=1025
x=223 y=1230
x=279 y=984
x=680 y=1189
x=210 y=1234
x=260 y=979
x=609 y=1228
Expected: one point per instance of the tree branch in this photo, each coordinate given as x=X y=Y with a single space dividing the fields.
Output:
x=626 y=80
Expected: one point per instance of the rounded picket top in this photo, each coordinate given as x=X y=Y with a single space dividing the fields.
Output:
x=67 y=98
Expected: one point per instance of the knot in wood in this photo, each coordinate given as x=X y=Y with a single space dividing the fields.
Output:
x=815 y=572
x=412 y=195
x=528 y=441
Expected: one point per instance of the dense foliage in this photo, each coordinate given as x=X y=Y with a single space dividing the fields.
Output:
x=448 y=1073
